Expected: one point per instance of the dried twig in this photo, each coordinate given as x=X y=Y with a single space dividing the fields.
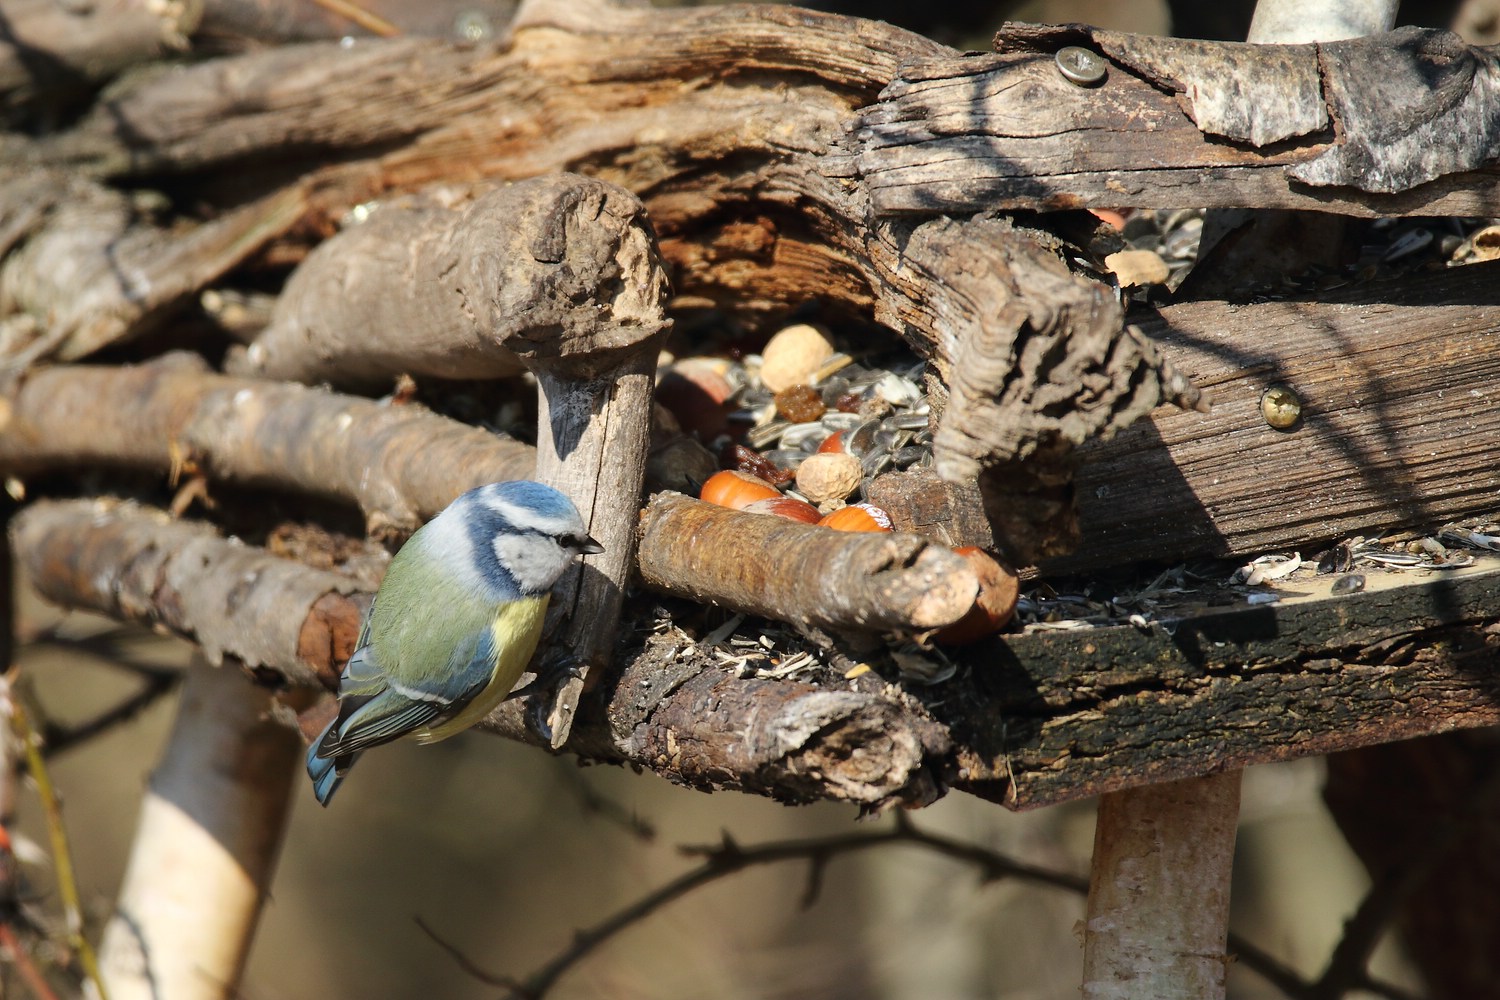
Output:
x=400 y=464
x=62 y=857
x=729 y=858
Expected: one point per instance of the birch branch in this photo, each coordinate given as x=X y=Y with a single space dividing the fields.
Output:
x=210 y=828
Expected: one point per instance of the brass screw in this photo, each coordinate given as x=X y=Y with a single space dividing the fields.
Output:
x=1281 y=407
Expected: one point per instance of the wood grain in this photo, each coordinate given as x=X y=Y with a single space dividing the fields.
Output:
x=1400 y=385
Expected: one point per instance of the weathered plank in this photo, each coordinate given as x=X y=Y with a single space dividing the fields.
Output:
x=1400 y=388
x=1180 y=122
x=1073 y=714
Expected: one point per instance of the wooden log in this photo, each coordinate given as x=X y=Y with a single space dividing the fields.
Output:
x=762 y=215
x=1397 y=382
x=52 y=53
x=399 y=463
x=1158 y=905
x=793 y=740
x=82 y=271
x=588 y=325
x=1075 y=713
x=136 y=564
x=1162 y=130
x=812 y=576
x=489 y=276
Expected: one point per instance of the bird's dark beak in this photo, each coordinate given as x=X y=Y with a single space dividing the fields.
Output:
x=589 y=547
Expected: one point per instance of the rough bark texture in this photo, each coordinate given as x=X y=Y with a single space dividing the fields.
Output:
x=465 y=282
x=85 y=269
x=590 y=332
x=135 y=564
x=1028 y=720
x=801 y=573
x=1400 y=123
x=400 y=463
x=1398 y=383
x=753 y=189
x=669 y=707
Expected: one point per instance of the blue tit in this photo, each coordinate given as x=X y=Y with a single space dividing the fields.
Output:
x=454 y=623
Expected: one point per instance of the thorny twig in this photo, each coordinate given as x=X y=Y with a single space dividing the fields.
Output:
x=727 y=858
x=62 y=858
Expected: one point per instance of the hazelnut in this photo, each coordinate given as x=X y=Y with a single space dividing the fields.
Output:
x=858 y=517
x=793 y=355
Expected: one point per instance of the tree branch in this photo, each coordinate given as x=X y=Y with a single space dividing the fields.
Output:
x=1026 y=720
x=400 y=463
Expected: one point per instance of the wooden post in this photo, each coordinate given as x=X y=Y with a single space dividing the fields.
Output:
x=205 y=846
x=1158 y=907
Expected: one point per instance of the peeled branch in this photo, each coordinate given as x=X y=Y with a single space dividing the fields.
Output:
x=802 y=573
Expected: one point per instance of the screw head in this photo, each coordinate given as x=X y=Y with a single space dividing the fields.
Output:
x=1081 y=66
x=1280 y=407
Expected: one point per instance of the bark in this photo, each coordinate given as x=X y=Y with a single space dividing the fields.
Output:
x=51 y=51
x=488 y=277
x=753 y=190
x=792 y=740
x=591 y=338
x=1158 y=907
x=400 y=463
x=135 y=564
x=85 y=271
x=1394 y=124
x=1027 y=720
x=1385 y=443
x=801 y=573
x=210 y=829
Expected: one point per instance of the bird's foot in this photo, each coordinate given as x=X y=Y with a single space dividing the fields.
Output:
x=554 y=696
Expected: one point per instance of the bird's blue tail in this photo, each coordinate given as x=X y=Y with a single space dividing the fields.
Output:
x=324 y=773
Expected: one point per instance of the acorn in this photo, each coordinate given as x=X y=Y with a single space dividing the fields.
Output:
x=858 y=517
x=788 y=507
x=736 y=490
x=993 y=608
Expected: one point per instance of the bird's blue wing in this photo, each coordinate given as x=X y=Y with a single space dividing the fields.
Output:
x=377 y=707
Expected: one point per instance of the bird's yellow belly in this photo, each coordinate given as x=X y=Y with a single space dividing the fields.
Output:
x=517 y=630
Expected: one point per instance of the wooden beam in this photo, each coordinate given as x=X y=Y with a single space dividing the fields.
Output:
x=1069 y=714
x=1400 y=390
x=1391 y=124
